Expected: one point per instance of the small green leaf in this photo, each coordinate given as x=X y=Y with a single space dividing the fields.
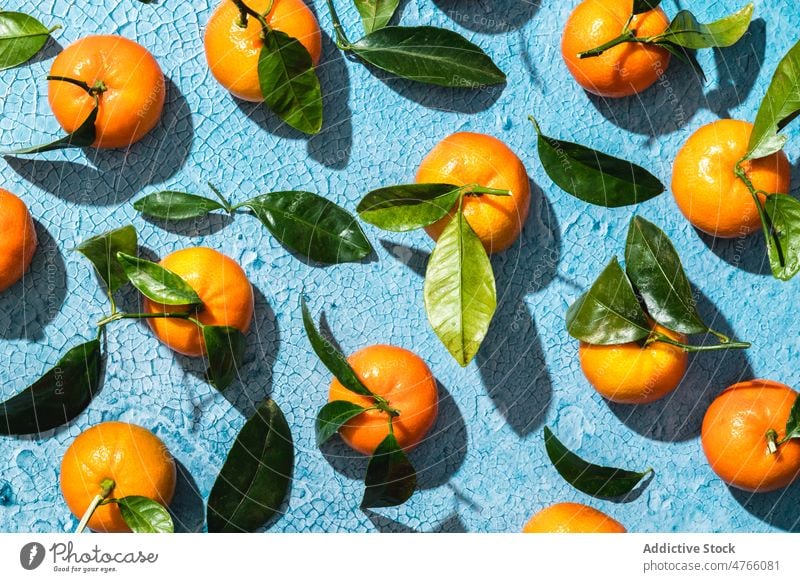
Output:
x=102 y=251
x=793 y=422
x=593 y=176
x=593 y=480
x=780 y=105
x=333 y=359
x=391 y=478
x=289 y=82
x=408 y=206
x=376 y=14
x=21 y=37
x=82 y=137
x=255 y=477
x=332 y=416
x=170 y=205
x=609 y=313
x=157 y=283
x=225 y=348
x=686 y=31
x=143 y=515
x=784 y=253
x=58 y=396
x=429 y=55
x=655 y=269
x=312 y=226
x=640 y=6
x=459 y=290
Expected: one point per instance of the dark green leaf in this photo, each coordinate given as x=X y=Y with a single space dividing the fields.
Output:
x=595 y=177
x=21 y=37
x=784 y=254
x=255 y=478
x=143 y=515
x=640 y=6
x=157 y=283
x=376 y=14
x=332 y=416
x=225 y=347
x=169 y=205
x=686 y=31
x=311 y=226
x=609 y=313
x=391 y=478
x=102 y=251
x=459 y=290
x=429 y=55
x=289 y=82
x=409 y=206
x=780 y=105
x=333 y=359
x=655 y=269
x=58 y=396
x=82 y=137
x=592 y=479
x=793 y=422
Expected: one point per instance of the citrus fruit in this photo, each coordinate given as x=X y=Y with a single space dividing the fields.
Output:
x=128 y=81
x=132 y=457
x=634 y=373
x=706 y=189
x=625 y=69
x=572 y=518
x=232 y=50
x=405 y=381
x=473 y=158
x=734 y=436
x=224 y=289
x=17 y=239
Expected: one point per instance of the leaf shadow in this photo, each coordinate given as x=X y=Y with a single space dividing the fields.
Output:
x=50 y=49
x=187 y=507
x=746 y=252
x=490 y=16
x=448 y=99
x=383 y=524
x=211 y=223
x=776 y=508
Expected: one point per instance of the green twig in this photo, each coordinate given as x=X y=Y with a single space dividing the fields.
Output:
x=341 y=37
x=766 y=221
x=729 y=345
x=106 y=487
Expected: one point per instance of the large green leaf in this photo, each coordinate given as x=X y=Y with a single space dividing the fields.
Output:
x=391 y=478
x=102 y=251
x=655 y=269
x=686 y=31
x=170 y=205
x=58 y=396
x=376 y=14
x=429 y=55
x=780 y=105
x=332 y=416
x=784 y=253
x=289 y=82
x=609 y=313
x=408 y=206
x=157 y=283
x=225 y=347
x=312 y=226
x=459 y=290
x=793 y=422
x=255 y=477
x=82 y=137
x=143 y=515
x=21 y=37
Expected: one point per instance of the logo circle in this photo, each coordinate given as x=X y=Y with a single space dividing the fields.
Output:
x=31 y=555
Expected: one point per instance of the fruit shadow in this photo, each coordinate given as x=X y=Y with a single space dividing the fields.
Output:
x=114 y=176
x=504 y=15
x=452 y=524
x=187 y=508
x=28 y=306
x=777 y=508
x=679 y=416
x=748 y=253
x=332 y=145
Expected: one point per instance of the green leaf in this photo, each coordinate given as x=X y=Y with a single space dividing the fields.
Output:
x=143 y=515
x=793 y=422
x=655 y=269
x=170 y=205
x=255 y=478
x=157 y=283
x=58 y=396
x=82 y=137
x=391 y=478
x=376 y=14
x=640 y=6
x=429 y=55
x=333 y=359
x=459 y=290
x=686 y=31
x=21 y=37
x=780 y=105
x=332 y=416
x=593 y=480
x=102 y=251
x=593 y=176
x=784 y=253
x=609 y=313
x=408 y=206
x=312 y=226
x=225 y=347
x=289 y=82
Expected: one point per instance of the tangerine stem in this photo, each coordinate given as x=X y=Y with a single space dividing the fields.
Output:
x=478 y=189
x=772 y=444
x=246 y=11
x=106 y=487
x=627 y=36
x=341 y=37
x=766 y=222
x=93 y=90
x=730 y=345
x=159 y=315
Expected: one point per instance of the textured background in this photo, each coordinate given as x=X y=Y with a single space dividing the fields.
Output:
x=484 y=469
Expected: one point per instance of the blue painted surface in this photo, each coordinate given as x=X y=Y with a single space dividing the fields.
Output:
x=484 y=469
